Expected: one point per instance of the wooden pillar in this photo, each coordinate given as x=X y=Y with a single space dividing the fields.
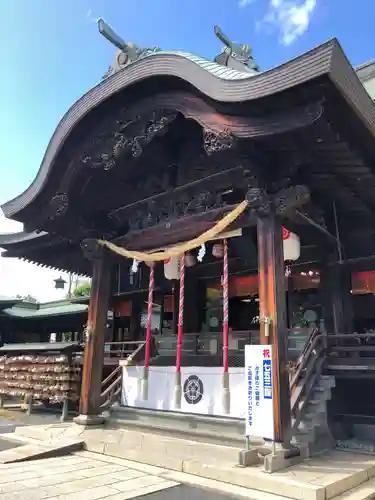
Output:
x=272 y=310
x=94 y=335
x=335 y=286
x=135 y=318
x=195 y=298
x=290 y=301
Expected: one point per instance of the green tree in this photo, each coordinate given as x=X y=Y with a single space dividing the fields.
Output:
x=83 y=290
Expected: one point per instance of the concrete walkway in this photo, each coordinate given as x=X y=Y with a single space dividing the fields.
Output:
x=76 y=477
x=86 y=475
x=90 y=476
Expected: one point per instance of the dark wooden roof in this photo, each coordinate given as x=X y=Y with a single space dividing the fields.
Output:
x=41 y=347
x=307 y=121
x=326 y=60
x=47 y=250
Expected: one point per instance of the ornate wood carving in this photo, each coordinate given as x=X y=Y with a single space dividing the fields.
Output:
x=132 y=134
x=58 y=206
x=92 y=250
x=195 y=197
x=203 y=173
x=131 y=129
x=283 y=202
x=153 y=198
x=217 y=142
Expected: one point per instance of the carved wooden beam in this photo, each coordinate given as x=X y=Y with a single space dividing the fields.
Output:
x=315 y=225
x=283 y=202
x=92 y=250
x=132 y=129
x=195 y=197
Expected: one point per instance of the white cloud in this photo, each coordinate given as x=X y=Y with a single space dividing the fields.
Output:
x=290 y=17
x=22 y=278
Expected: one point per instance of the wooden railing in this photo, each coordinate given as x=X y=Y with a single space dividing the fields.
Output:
x=306 y=373
x=358 y=345
x=111 y=388
x=322 y=349
x=121 y=350
x=112 y=385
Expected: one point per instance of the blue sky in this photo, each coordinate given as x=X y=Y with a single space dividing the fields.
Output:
x=51 y=53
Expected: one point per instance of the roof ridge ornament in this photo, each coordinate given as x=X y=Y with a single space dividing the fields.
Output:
x=127 y=52
x=242 y=53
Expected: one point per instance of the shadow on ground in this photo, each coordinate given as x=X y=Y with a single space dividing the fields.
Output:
x=188 y=492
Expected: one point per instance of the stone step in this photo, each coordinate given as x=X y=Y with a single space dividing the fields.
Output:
x=38 y=451
x=305 y=436
x=157 y=449
x=365 y=491
x=132 y=444
x=313 y=481
x=321 y=393
x=316 y=406
x=215 y=430
x=307 y=425
x=296 y=482
x=16 y=438
x=34 y=432
x=49 y=432
x=327 y=381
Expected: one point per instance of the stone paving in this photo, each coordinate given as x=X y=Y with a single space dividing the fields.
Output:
x=320 y=478
x=76 y=477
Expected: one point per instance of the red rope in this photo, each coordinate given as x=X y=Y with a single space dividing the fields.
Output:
x=149 y=315
x=180 y=329
x=225 y=308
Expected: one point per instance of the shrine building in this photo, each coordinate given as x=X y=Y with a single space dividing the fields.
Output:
x=215 y=206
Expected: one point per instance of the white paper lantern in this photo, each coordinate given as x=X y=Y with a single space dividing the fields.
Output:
x=190 y=259
x=172 y=268
x=218 y=250
x=291 y=245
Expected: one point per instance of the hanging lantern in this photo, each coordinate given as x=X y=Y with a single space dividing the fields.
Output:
x=218 y=250
x=190 y=259
x=60 y=283
x=291 y=245
x=172 y=268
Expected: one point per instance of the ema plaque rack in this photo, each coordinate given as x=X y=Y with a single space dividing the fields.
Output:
x=48 y=372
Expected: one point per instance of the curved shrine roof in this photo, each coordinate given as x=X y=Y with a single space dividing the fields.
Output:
x=215 y=83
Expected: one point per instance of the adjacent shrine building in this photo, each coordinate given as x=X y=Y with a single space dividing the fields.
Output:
x=215 y=205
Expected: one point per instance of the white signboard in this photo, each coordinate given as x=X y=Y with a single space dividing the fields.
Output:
x=259 y=391
x=201 y=390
